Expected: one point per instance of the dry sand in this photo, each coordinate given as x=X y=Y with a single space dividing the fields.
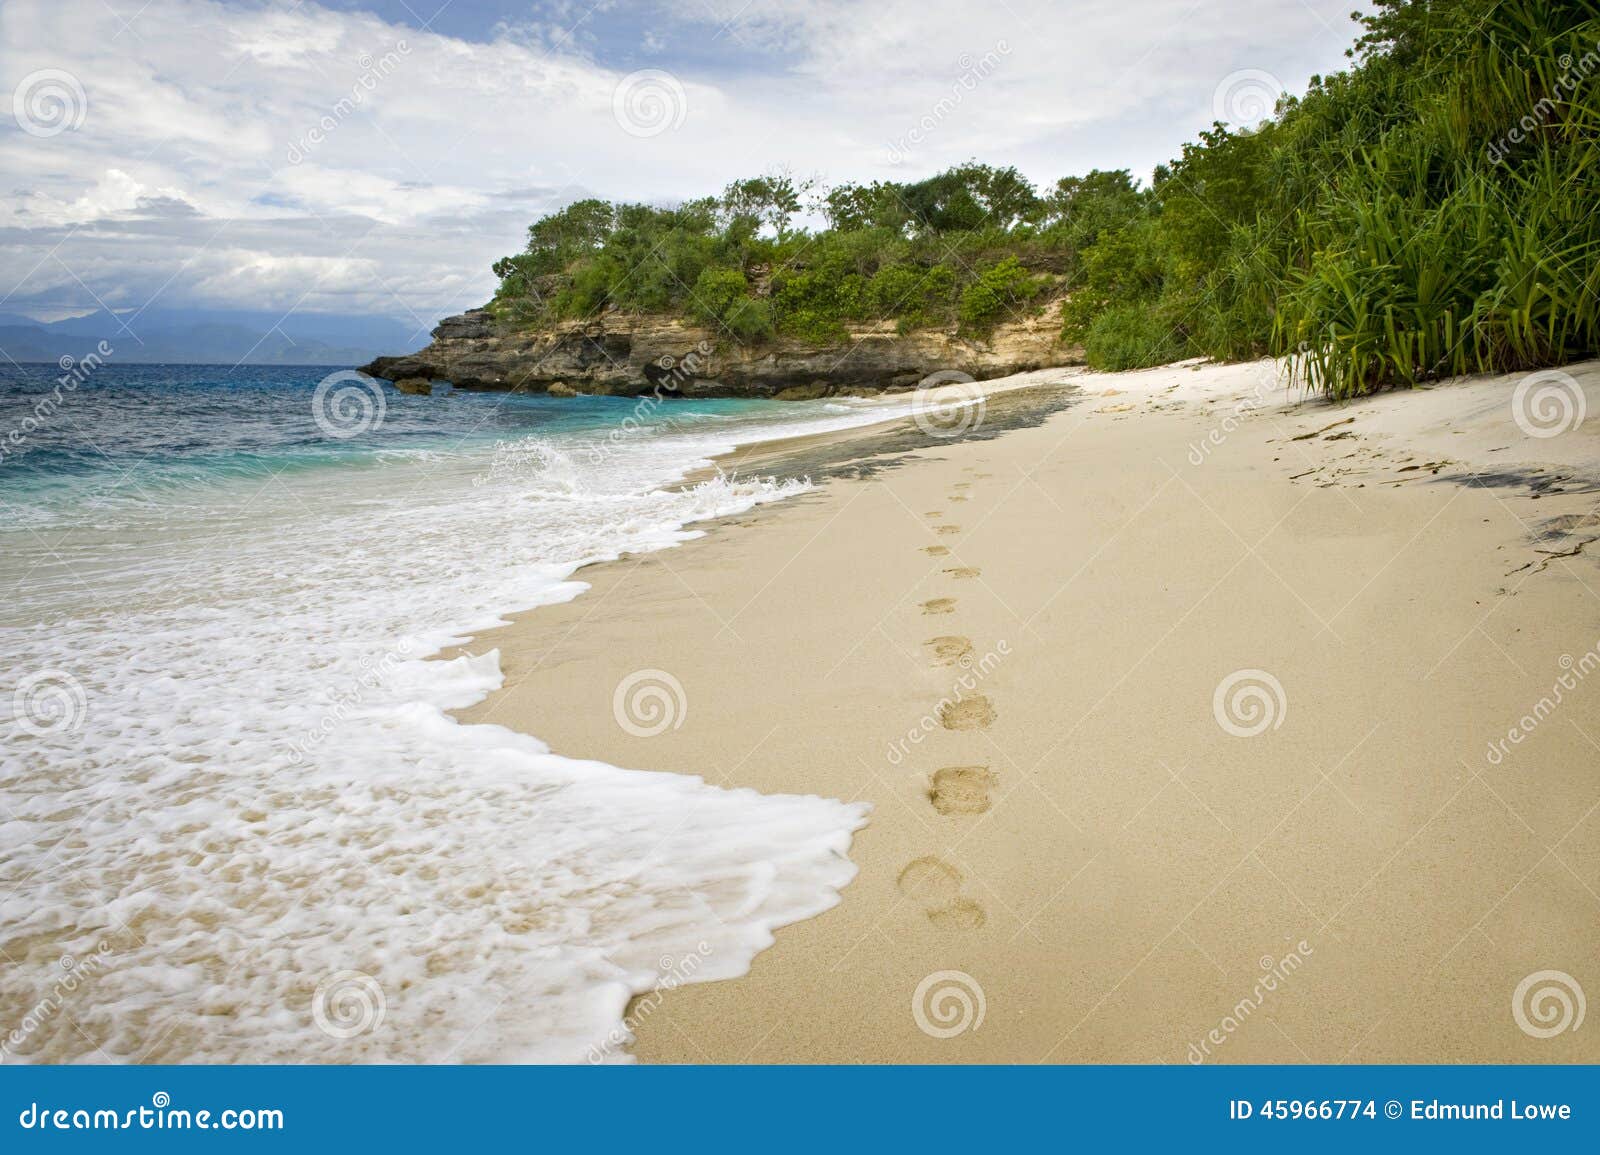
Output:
x=1014 y=649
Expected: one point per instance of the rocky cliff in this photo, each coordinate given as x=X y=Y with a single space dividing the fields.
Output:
x=629 y=354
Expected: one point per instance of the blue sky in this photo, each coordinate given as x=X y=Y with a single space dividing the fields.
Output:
x=375 y=156
x=627 y=36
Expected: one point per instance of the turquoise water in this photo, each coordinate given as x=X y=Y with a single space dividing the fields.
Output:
x=229 y=774
x=200 y=424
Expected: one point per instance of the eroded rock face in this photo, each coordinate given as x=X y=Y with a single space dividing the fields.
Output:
x=628 y=354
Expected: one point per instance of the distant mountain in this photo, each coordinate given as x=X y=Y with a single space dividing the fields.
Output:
x=210 y=337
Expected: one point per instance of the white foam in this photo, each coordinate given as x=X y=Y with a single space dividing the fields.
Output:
x=266 y=792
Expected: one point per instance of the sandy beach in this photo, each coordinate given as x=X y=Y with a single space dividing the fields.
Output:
x=1200 y=723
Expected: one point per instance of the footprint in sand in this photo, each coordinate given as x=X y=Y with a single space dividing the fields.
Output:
x=948 y=529
x=934 y=513
x=974 y=713
x=935 y=550
x=935 y=885
x=939 y=606
x=964 y=571
x=931 y=881
x=961 y=789
x=947 y=651
x=957 y=497
x=962 y=485
x=962 y=914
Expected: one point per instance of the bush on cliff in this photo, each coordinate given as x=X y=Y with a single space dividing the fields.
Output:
x=721 y=297
x=1002 y=289
x=911 y=254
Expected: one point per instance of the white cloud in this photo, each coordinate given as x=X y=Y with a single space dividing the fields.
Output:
x=294 y=156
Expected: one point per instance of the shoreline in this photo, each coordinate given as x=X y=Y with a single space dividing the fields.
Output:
x=1019 y=399
x=1074 y=832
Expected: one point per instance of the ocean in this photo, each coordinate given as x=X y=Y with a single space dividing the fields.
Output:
x=238 y=823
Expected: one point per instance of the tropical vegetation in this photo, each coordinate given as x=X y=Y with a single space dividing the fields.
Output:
x=1430 y=211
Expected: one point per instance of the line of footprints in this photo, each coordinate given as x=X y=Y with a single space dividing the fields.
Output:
x=957 y=791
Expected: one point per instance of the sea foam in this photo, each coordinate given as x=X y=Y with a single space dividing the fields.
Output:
x=272 y=840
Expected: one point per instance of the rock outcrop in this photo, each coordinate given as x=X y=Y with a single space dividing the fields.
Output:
x=630 y=354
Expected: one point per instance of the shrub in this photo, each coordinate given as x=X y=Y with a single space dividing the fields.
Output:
x=1130 y=337
x=999 y=291
x=914 y=296
x=721 y=297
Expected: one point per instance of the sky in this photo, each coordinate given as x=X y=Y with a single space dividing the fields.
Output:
x=374 y=157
